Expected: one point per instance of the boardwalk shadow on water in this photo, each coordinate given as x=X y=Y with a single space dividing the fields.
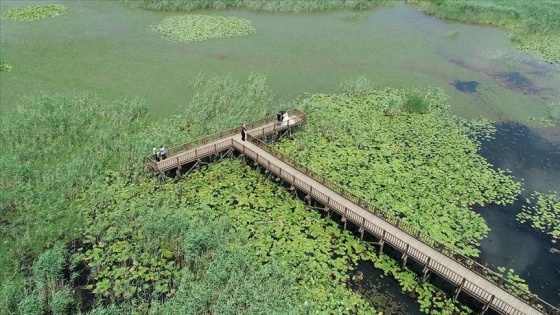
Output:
x=535 y=161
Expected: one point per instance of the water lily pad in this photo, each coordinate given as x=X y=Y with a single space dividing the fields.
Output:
x=34 y=12
x=195 y=27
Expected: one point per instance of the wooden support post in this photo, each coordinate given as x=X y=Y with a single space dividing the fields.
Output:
x=458 y=290
x=344 y=217
x=178 y=164
x=382 y=242
x=501 y=281
x=198 y=162
x=487 y=305
x=405 y=256
x=362 y=225
x=256 y=162
x=532 y=300
x=426 y=271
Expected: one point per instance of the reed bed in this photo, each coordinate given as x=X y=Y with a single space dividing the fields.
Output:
x=255 y=5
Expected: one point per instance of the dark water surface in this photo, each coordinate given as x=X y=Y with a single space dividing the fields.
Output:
x=534 y=161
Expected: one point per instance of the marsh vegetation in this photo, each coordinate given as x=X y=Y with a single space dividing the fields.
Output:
x=34 y=12
x=196 y=27
x=84 y=228
x=535 y=24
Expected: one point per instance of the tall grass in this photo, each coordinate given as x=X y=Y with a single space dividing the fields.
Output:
x=359 y=87
x=57 y=147
x=415 y=103
x=256 y=5
x=223 y=102
x=536 y=24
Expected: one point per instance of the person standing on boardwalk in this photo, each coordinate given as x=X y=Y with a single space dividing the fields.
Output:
x=162 y=153
x=155 y=154
x=243 y=132
x=279 y=118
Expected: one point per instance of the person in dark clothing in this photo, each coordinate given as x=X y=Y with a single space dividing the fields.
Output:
x=155 y=154
x=162 y=153
x=279 y=118
x=243 y=132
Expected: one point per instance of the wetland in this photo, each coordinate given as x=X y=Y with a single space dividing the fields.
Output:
x=96 y=87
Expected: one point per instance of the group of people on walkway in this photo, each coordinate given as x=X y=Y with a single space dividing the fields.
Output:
x=160 y=154
x=282 y=118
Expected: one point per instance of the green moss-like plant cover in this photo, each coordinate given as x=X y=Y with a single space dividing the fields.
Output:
x=34 y=12
x=423 y=168
x=542 y=212
x=256 y=5
x=5 y=67
x=536 y=24
x=196 y=27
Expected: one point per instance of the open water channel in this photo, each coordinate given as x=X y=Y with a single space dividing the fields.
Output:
x=107 y=49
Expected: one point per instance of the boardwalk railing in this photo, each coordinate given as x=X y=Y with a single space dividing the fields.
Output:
x=223 y=134
x=450 y=252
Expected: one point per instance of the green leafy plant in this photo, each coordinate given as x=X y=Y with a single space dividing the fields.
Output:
x=542 y=212
x=196 y=27
x=421 y=168
x=34 y=12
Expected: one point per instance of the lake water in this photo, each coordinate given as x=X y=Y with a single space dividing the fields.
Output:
x=104 y=48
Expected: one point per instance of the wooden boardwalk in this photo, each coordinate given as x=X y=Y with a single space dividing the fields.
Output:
x=465 y=274
x=221 y=142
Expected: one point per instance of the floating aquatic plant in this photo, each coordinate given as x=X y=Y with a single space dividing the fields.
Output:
x=542 y=212
x=196 y=27
x=422 y=168
x=34 y=12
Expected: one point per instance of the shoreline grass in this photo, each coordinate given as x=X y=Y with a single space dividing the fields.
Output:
x=535 y=24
